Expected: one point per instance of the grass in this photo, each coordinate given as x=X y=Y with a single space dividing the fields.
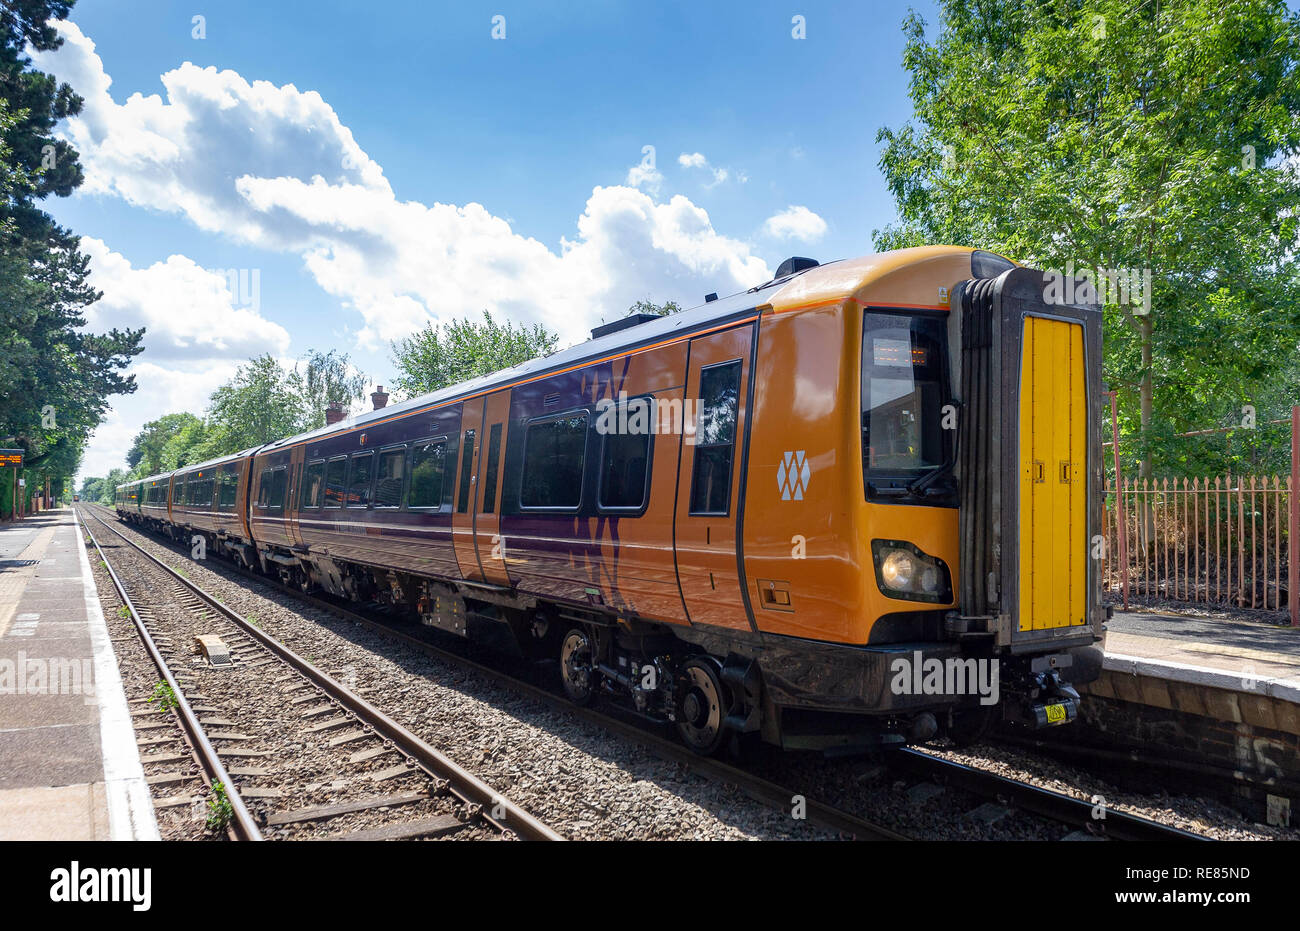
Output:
x=124 y=612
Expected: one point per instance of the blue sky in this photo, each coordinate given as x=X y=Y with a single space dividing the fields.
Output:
x=399 y=165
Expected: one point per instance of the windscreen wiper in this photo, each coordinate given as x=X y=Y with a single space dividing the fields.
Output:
x=925 y=481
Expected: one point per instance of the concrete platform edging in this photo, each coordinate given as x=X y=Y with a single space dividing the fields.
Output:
x=130 y=804
x=1273 y=687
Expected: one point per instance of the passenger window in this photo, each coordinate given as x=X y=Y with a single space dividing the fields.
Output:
x=625 y=459
x=466 y=467
x=279 y=479
x=313 y=482
x=229 y=489
x=336 y=476
x=388 y=485
x=554 y=454
x=264 y=489
x=359 y=485
x=427 y=473
x=490 y=477
x=715 y=438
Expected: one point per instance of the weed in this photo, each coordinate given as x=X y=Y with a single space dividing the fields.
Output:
x=220 y=811
x=163 y=694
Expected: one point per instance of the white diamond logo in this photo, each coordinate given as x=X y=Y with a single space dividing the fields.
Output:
x=792 y=475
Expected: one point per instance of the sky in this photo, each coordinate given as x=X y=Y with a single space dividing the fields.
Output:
x=281 y=177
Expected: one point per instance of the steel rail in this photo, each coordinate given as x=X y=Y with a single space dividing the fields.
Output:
x=1115 y=825
x=242 y=824
x=1222 y=778
x=481 y=798
x=779 y=797
x=826 y=816
x=1055 y=806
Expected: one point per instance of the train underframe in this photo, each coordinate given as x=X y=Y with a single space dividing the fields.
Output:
x=716 y=687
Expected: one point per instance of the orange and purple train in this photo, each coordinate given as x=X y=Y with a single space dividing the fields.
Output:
x=854 y=505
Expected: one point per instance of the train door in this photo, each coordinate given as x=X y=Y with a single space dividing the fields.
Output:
x=1053 y=478
x=709 y=478
x=487 y=502
x=292 y=503
x=464 y=495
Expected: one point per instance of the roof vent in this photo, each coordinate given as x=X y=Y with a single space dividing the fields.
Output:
x=795 y=264
x=710 y=298
x=623 y=323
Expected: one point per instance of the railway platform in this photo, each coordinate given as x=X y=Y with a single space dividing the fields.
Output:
x=1219 y=698
x=69 y=767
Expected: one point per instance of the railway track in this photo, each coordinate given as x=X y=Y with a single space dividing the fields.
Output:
x=1084 y=816
x=1072 y=813
x=318 y=760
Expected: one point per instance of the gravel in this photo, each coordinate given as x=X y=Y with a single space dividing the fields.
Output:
x=587 y=783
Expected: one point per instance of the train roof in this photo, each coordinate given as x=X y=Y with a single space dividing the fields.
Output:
x=220 y=460
x=243 y=453
x=654 y=331
x=819 y=283
x=801 y=287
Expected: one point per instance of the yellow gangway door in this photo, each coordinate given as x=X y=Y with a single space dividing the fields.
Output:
x=1053 y=479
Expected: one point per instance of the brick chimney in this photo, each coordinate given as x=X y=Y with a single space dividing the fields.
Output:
x=333 y=412
x=379 y=397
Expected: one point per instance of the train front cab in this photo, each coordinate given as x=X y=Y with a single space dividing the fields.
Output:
x=918 y=525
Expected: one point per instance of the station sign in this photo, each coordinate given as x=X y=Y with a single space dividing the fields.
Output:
x=11 y=457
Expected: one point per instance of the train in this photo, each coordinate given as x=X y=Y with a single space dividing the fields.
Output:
x=856 y=506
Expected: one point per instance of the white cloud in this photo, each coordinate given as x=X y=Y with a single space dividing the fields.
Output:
x=795 y=222
x=274 y=167
x=196 y=335
x=697 y=160
x=162 y=390
x=646 y=176
x=188 y=312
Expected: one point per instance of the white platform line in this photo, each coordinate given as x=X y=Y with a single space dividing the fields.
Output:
x=130 y=805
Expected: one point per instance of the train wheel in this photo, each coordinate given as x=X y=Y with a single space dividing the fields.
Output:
x=703 y=706
x=575 y=667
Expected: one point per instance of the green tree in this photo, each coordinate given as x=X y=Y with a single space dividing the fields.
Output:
x=659 y=310
x=102 y=490
x=55 y=378
x=156 y=447
x=108 y=490
x=458 y=351
x=1104 y=133
x=263 y=402
x=327 y=377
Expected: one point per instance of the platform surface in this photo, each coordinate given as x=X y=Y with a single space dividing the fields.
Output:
x=1212 y=651
x=69 y=767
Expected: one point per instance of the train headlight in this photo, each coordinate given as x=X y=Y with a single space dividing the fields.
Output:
x=898 y=570
x=903 y=571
